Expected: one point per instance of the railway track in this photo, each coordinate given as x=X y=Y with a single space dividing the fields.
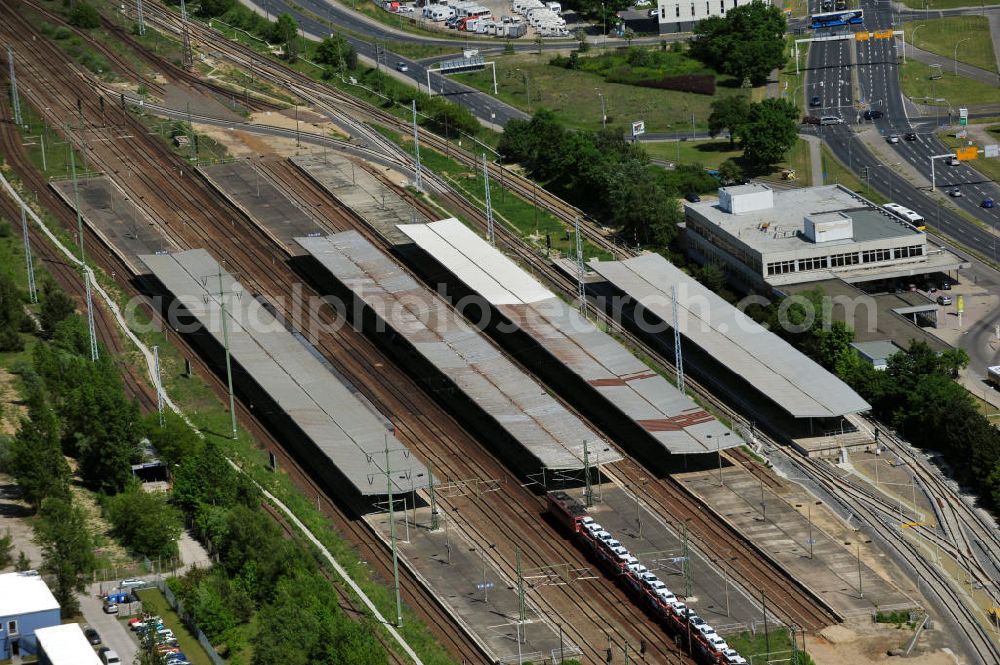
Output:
x=194 y=216
x=952 y=513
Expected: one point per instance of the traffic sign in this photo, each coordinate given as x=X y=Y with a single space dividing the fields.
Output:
x=992 y=150
x=967 y=154
x=963 y=117
x=862 y=36
x=638 y=127
x=882 y=34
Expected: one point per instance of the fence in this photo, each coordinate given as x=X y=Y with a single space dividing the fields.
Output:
x=178 y=607
x=112 y=576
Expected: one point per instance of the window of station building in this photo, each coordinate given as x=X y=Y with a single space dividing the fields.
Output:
x=838 y=260
x=722 y=6
x=876 y=255
x=907 y=252
x=707 y=10
x=692 y=9
x=816 y=263
x=677 y=11
x=780 y=267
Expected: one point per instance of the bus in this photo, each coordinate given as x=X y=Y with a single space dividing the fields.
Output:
x=906 y=215
x=837 y=19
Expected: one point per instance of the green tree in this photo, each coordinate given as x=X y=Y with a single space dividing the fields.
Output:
x=83 y=15
x=146 y=522
x=210 y=8
x=23 y=563
x=728 y=113
x=67 y=550
x=730 y=171
x=175 y=441
x=337 y=52
x=713 y=276
x=56 y=306
x=748 y=42
x=769 y=132
x=11 y=315
x=6 y=550
x=35 y=456
x=286 y=32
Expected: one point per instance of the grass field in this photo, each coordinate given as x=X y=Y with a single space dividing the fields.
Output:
x=836 y=173
x=153 y=602
x=947 y=4
x=956 y=90
x=711 y=153
x=940 y=36
x=575 y=96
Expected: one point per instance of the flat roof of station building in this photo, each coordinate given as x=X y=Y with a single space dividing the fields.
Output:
x=517 y=402
x=779 y=227
x=770 y=364
x=344 y=428
x=667 y=415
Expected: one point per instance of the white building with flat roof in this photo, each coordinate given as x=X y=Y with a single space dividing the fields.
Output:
x=768 y=238
x=681 y=15
x=65 y=645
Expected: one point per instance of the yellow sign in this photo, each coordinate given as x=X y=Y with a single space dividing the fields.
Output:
x=862 y=36
x=966 y=154
x=883 y=34
x=961 y=304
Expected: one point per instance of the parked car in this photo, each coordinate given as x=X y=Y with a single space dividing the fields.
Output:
x=405 y=9
x=692 y=197
x=401 y=67
x=810 y=120
x=955 y=193
x=109 y=657
x=944 y=300
x=110 y=608
x=892 y=138
x=132 y=583
x=92 y=636
x=946 y=285
x=654 y=13
x=815 y=101
x=733 y=657
x=987 y=202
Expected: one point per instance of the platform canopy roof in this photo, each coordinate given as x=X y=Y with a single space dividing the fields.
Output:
x=626 y=383
x=345 y=428
x=765 y=361
x=515 y=401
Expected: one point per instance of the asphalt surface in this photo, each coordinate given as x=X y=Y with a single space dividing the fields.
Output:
x=829 y=76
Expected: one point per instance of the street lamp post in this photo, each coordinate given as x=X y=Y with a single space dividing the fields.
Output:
x=604 y=113
x=913 y=35
x=956 y=52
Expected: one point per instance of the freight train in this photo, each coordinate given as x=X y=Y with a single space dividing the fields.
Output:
x=685 y=627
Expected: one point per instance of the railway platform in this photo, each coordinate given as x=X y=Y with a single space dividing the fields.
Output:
x=804 y=537
x=377 y=204
x=115 y=218
x=479 y=596
x=659 y=544
x=252 y=192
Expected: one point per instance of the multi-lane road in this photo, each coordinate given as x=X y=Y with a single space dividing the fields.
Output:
x=833 y=68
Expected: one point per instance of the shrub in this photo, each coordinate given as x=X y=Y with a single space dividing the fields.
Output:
x=701 y=84
x=84 y=16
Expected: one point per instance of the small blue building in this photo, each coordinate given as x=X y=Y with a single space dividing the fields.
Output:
x=26 y=604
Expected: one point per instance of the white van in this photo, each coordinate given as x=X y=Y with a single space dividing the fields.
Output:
x=109 y=657
x=441 y=13
x=555 y=7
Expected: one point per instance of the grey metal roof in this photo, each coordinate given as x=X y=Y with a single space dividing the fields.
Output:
x=516 y=401
x=335 y=419
x=669 y=416
x=767 y=362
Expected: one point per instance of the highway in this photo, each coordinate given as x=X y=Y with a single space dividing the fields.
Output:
x=829 y=76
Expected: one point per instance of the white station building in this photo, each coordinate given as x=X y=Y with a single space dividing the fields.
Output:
x=681 y=15
x=768 y=239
